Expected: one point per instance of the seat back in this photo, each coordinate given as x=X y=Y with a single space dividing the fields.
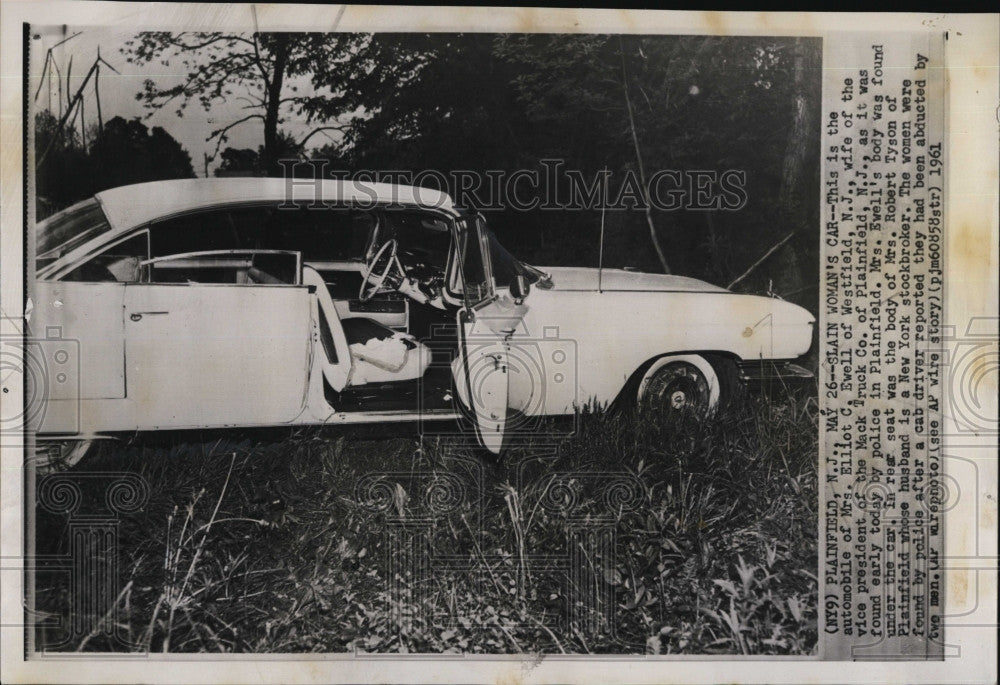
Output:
x=332 y=350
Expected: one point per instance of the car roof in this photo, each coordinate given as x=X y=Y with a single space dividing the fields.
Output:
x=134 y=205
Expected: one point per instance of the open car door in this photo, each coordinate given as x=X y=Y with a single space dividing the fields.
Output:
x=481 y=369
x=215 y=341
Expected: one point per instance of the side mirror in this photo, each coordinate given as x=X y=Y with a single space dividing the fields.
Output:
x=519 y=288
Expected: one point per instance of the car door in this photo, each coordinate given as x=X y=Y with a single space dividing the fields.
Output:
x=216 y=354
x=481 y=369
x=77 y=333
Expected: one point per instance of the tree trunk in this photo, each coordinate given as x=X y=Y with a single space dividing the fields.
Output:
x=638 y=160
x=273 y=106
x=791 y=196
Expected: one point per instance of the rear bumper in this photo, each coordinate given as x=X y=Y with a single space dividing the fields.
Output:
x=769 y=370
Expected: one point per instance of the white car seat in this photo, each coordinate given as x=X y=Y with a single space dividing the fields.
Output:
x=382 y=355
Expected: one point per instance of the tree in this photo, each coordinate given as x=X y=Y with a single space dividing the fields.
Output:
x=122 y=153
x=800 y=215
x=495 y=104
x=127 y=152
x=66 y=176
x=263 y=71
x=247 y=162
x=631 y=104
x=691 y=103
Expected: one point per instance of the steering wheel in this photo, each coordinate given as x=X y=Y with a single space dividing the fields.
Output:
x=371 y=285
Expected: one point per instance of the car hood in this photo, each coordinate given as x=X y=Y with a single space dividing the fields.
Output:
x=581 y=278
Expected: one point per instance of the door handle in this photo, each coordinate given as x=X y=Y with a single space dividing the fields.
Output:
x=137 y=316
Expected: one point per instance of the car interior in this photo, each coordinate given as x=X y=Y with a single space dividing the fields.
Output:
x=401 y=348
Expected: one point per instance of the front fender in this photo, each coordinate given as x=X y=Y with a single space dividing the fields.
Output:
x=615 y=333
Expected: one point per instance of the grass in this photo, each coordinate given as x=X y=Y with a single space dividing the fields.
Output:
x=637 y=535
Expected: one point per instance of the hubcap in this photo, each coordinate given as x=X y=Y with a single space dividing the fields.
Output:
x=677 y=387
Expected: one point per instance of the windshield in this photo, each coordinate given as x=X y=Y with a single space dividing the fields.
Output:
x=69 y=229
x=423 y=239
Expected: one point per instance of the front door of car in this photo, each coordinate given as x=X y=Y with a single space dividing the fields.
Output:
x=481 y=369
x=216 y=355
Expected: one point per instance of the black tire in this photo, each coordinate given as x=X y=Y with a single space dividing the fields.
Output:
x=731 y=387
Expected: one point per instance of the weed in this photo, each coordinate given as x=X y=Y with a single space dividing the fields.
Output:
x=639 y=535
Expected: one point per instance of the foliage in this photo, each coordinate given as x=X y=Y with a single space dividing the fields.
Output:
x=273 y=76
x=501 y=103
x=269 y=543
x=247 y=162
x=127 y=152
x=121 y=153
x=506 y=102
x=65 y=177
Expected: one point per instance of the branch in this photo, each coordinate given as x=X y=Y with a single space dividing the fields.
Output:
x=257 y=59
x=45 y=69
x=66 y=40
x=175 y=43
x=105 y=63
x=761 y=260
x=302 y=142
x=221 y=133
x=65 y=117
x=69 y=79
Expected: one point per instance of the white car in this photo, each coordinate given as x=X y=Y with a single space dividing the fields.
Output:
x=212 y=303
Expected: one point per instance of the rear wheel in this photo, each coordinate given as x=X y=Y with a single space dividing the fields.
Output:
x=52 y=456
x=681 y=384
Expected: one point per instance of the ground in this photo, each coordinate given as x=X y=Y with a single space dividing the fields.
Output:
x=637 y=534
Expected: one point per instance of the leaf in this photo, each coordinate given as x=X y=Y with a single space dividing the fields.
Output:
x=726 y=585
x=669 y=544
x=653 y=645
x=795 y=608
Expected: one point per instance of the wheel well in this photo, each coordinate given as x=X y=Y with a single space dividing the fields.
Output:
x=724 y=364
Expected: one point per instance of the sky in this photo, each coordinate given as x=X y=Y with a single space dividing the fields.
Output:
x=118 y=91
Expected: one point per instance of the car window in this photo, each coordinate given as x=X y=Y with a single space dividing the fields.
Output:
x=325 y=234
x=330 y=234
x=476 y=281
x=233 y=267
x=217 y=229
x=69 y=229
x=120 y=262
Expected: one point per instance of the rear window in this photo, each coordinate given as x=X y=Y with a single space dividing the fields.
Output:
x=69 y=229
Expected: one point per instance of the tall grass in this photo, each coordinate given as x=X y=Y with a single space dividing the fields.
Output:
x=294 y=542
